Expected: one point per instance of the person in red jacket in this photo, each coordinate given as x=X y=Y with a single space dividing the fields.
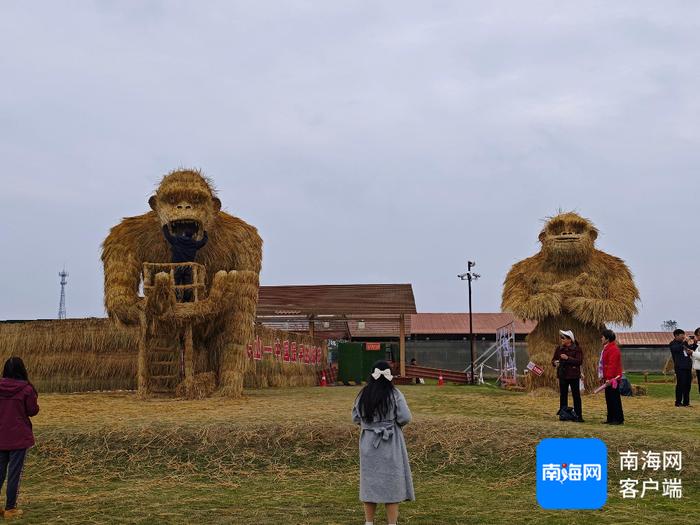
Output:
x=610 y=369
x=18 y=402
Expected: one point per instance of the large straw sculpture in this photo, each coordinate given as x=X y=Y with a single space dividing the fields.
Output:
x=569 y=285
x=223 y=320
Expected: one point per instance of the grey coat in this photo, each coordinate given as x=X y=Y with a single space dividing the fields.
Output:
x=385 y=475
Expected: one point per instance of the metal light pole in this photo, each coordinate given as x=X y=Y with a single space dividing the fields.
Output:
x=469 y=276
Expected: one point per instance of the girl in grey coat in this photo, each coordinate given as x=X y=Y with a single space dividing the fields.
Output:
x=385 y=475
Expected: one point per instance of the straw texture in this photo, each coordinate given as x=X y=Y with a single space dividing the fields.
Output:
x=569 y=285
x=232 y=257
x=80 y=355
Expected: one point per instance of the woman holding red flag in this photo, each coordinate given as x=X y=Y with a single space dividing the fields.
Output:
x=610 y=371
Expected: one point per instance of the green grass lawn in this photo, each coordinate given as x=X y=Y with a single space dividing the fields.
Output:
x=290 y=456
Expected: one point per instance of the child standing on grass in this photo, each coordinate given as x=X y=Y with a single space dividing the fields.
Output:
x=385 y=475
x=18 y=402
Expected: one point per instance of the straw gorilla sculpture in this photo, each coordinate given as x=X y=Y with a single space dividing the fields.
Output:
x=224 y=320
x=569 y=285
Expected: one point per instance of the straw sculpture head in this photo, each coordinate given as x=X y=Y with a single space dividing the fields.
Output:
x=186 y=203
x=568 y=239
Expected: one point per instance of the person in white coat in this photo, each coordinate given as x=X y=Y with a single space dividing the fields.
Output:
x=385 y=473
x=696 y=356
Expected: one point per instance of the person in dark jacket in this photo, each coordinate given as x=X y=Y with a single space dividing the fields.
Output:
x=568 y=358
x=184 y=249
x=419 y=380
x=611 y=371
x=683 y=366
x=18 y=402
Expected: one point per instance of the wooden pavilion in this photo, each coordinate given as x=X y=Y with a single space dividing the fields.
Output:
x=327 y=310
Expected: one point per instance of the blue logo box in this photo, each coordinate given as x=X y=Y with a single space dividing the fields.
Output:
x=572 y=473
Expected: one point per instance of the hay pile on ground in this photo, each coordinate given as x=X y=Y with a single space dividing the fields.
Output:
x=291 y=457
x=74 y=354
x=199 y=387
x=639 y=390
x=80 y=355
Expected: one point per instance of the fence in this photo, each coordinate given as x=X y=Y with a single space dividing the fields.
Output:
x=455 y=355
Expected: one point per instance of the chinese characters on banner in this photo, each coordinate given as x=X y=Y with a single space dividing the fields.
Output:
x=666 y=461
x=286 y=351
x=278 y=350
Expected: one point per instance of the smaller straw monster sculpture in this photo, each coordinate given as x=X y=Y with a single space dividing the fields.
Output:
x=224 y=320
x=569 y=285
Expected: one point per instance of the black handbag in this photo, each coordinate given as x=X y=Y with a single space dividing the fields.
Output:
x=567 y=414
x=625 y=387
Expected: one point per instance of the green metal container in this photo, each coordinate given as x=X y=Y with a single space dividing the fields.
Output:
x=355 y=360
x=350 y=364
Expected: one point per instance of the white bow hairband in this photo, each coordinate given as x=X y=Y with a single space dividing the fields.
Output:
x=386 y=373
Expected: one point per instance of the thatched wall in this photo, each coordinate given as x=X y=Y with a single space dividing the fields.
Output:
x=272 y=370
x=78 y=355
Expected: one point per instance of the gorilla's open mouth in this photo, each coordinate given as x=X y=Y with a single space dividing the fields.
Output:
x=187 y=228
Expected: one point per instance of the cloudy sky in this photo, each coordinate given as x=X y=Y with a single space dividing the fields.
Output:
x=369 y=142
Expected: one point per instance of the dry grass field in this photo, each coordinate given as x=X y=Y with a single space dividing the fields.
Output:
x=290 y=456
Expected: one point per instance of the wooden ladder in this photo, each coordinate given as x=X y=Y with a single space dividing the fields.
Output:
x=164 y=362
x=164 y=365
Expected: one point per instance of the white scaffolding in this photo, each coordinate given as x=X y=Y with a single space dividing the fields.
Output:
x=505 y=339
x=504 y=350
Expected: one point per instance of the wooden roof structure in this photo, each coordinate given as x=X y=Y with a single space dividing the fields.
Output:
x=484 y=323
x=441 y=324
x=644 y=338
x=374 y=328
x=314 y=304
x=458 y=323
x=336 y=300
x=324 y=329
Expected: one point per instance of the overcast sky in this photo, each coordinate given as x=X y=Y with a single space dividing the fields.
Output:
x=370 y=142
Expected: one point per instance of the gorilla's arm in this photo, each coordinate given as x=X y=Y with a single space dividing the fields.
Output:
x=122 y=274
x=237 y=294
x=612 y=299
x=525 y=296
x=238 y=302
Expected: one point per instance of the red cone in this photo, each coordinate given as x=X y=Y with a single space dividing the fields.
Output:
x=323 y=380
x=440 y=380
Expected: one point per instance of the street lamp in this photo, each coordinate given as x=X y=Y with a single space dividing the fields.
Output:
x=469 y=276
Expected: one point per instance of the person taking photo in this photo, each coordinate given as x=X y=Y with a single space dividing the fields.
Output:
x=681 y=352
